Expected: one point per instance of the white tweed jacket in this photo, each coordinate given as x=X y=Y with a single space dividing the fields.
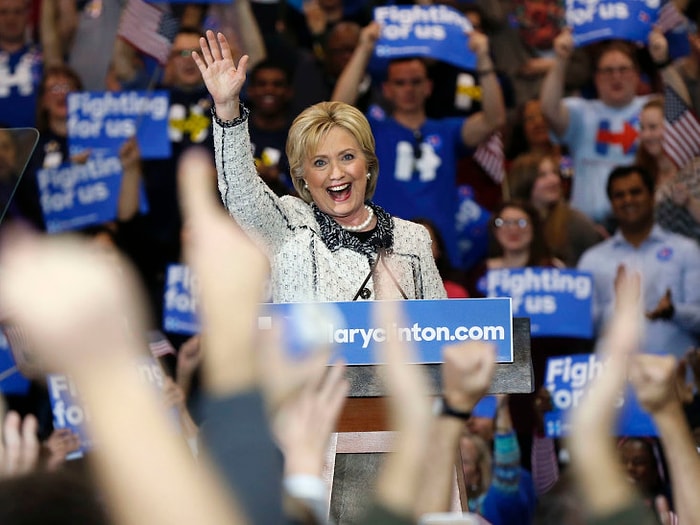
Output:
x=311 y=257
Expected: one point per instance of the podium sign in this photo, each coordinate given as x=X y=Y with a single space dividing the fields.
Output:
x=428 y=324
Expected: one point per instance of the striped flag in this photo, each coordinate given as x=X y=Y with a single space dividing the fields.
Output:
x=149 y=28
x=489 y=155
x=159 y=344
x=681 y=131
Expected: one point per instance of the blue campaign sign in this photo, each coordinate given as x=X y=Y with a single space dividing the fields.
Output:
x=566 y=379
x=428 y=324
x=435 y=31
x=102 y=121
x=596 y=20
x=11 y=380
x=180 y=301
x=74 y=196
x=68 y=411
x=557 y=301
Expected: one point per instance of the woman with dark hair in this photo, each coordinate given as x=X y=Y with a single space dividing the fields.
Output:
x=516 y=240
x=536 y=178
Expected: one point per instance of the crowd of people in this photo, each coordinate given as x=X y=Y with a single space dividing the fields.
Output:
x=338 y=183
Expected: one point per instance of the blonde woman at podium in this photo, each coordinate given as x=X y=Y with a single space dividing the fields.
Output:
x=333 y=243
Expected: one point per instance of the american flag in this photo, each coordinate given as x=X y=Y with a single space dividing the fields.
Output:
x=489 y=155
x=670 y=17
x=159 y=344
x=149 y=28
x=681 y=131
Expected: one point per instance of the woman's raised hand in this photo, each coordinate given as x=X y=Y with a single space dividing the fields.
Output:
x=223 y=79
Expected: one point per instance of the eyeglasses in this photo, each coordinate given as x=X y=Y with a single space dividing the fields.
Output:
x=59 y=89
x=520 y=223
x=610 y=71
x=184 y=53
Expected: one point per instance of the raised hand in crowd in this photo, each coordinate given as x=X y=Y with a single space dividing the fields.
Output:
x=19 y=446
x=654 y=379
x=467 y=372
x=605 y=491
x=91 y=327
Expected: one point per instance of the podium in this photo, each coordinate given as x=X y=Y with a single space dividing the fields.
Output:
x=363 y=425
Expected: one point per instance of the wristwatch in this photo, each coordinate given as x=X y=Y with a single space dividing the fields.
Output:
x=442 y=408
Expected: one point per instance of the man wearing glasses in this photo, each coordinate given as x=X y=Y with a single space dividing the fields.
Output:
x=417 y=155
x=601 y=133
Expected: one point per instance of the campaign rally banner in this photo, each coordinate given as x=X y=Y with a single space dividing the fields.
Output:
x=180 y=301
x=557 y=301
x=435 y=31
x=11 y=380
x=596 y=20
x=428 y=325
x=566 y=379
x=67 y=408
x=74 y=196
x=102 y=121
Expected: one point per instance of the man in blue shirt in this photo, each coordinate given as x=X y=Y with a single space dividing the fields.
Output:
x=669 y=265
x=417 y=155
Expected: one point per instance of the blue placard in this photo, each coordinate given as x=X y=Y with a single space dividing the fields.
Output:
x=102 y=121
x=429 y=325
x=566 y=379
x=68 y=411
x=596 y=20
x=557 y=301
x=74 y=196
x=11 y=380
x=180 y=301
x=435 y=31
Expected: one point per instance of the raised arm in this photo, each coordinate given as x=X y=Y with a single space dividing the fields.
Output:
x=654 y=381
x=597 y=469
x=492 y=116
x=347 y=87
x=129 y=192
x=467 y=372
x=552 y=90
x=658 y=50
x=223 y=79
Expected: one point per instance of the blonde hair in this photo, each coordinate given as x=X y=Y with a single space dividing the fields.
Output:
x=312 y=126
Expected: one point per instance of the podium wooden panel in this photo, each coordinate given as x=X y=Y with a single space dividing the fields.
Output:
x=363 y=425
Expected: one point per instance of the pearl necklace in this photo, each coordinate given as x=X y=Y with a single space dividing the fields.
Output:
x=365 y=223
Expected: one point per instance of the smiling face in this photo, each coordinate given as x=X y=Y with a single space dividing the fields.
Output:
x=269 y=91
x=616 y=78
x=513 y=230
x=546 y=190
x=651 y=130
x=632 y=202
x=336 y=175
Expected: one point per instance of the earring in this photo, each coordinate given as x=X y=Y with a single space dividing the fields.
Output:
x=306 y=186
x=369 y=175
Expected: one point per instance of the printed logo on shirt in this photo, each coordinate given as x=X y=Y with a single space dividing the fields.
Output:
x=625 y=138
x=665 y=253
